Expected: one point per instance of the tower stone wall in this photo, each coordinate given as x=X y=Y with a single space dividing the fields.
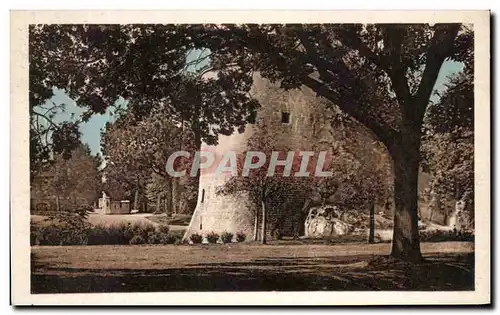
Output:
x=216 y=212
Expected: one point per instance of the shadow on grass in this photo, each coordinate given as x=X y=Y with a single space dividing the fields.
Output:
x=342 y=273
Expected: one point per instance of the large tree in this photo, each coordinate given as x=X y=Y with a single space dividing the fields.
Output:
x=71 y=181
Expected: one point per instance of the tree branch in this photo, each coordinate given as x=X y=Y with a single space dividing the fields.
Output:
x=393 y=41
x=261 y=43
x=46 y=118
x=441 y=48
x=384 y=132
x=321 y=64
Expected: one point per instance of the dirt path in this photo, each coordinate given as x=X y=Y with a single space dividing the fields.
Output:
x=449 y=266
x=96 y=218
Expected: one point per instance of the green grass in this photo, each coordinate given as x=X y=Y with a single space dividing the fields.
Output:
x=248 y=267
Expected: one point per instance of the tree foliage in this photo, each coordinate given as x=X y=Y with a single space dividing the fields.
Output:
x=448 y=145
x=146 y=63
x=71 y=182
x=137 y=151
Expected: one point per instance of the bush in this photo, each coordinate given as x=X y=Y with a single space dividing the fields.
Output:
x=240 y=237
x=34 y=236
x=163 y=229
x=212 y=237
x=48 y=235
x=58 y=234
x=83 y=210
x=159 y=237
x=446 y=236
x=177 y=236
x=226 y=237
x=73 y=233
x=142 y=229
x=117 y=234
x=155 y=238
x=99 y=235
x=196 y=238
x=137 y=240
x=172 y=239
x=123 y=233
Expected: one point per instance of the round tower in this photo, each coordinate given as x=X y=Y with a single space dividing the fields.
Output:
x=296 y=116
x=217 y=212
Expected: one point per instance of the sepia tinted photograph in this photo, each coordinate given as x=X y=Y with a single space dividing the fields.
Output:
x=254 y=157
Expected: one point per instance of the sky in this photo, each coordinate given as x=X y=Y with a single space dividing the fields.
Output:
x=91 y=130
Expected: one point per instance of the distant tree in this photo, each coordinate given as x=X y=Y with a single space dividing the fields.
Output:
x=123 y=176
x=158 y=189
x=48 y=139
x=448 y=145
x=140 y=148
x=72 y=181
x=118 y=185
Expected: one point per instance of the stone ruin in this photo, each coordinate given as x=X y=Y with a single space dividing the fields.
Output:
x=325 y=222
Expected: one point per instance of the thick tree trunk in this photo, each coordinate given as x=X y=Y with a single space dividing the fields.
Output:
x=263 y=231
x=371 y=235
x=406 y=156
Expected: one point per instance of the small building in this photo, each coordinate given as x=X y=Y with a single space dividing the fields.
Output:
x=108 y=206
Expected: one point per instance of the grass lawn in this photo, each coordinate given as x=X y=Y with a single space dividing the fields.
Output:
x=247 y=267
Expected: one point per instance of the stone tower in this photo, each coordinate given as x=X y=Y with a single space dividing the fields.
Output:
x=299 y=118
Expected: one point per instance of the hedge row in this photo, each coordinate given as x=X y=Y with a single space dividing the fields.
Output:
x=60 y=233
